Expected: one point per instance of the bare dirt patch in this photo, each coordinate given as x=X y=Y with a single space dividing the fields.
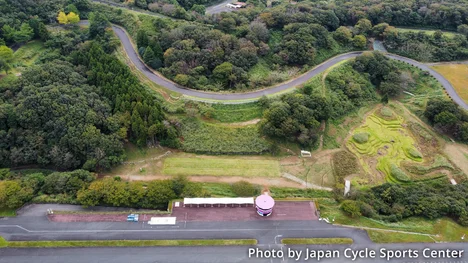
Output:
x=316 y=170
x=244 y=123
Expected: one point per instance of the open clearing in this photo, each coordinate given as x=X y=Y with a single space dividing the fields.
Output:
x=27 y=55
x=426 y=31
x=458 y=154
x=221 y=167
x=457 y=75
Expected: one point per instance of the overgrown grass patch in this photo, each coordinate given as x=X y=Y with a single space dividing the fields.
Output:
x=7 y=212
x=225 y=190
x=218 y=189
x=237 y=112
x=129 y=243
x=439 y=162
x=395 y=237
x=221 y=167
x=419 y=130
x=446 y=228
x=316 y=241
x=27 y=54
x=287 y=192
x=201 y=137
x=344 y=164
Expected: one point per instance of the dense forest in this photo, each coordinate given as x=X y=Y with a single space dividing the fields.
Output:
x=81 y=187
x=77 y=107
x=227 y=51
x=394 y=202
x=259 y=47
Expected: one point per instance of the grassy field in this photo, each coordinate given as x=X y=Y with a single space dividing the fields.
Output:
x=393 y=237
x=316 y=241
x=225 y=190
x=426 y=31
x=128 y=243
x=208 y=138
x=221 y=167
x=445 y=228
x=236 y=112
x=27 y=55
x=457 y=75
x=7 y=212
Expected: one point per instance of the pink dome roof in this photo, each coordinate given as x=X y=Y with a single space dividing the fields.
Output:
x=264 y=201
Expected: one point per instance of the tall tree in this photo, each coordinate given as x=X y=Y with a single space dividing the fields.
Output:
x=73 y=18
x=98 y=24
x=62 y=18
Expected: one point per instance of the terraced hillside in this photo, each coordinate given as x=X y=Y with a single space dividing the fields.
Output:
x=391 y=149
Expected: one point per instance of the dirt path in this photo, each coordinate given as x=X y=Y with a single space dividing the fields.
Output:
x=245 y=123
x=305 y=184
x=270 y=181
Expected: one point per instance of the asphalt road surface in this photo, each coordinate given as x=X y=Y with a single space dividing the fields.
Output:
x=32 y=224
x=218 y=8
x=233 y=254
x=160 y=80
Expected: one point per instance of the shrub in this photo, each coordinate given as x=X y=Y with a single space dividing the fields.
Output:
x=398 y=174
x=463 y=220
x=386 y=112
x=417 y=129
x=244 y=188
x=4 y=173
x=351 y=208
x=361 y=138
x=414 y=153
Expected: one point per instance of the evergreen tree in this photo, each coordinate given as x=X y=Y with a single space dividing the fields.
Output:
x=148 y=56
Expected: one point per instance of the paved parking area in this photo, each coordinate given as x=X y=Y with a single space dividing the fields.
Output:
x=300 y=210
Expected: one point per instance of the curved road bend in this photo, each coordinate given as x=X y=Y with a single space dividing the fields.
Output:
x=162 y=81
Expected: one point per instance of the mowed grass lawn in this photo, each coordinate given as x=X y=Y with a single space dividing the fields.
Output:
x=221 y=167
x=457 y=74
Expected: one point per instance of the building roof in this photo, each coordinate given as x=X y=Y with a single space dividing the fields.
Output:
x=240 y=3
x=265 y=201
x=222 y=201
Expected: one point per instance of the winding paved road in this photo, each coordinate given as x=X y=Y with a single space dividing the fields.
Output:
x=254 y=95
x=160 y=80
